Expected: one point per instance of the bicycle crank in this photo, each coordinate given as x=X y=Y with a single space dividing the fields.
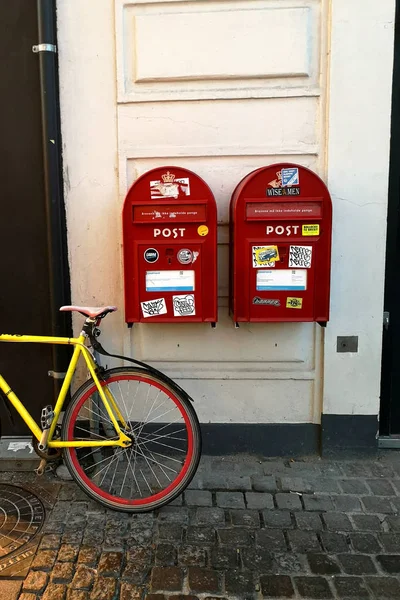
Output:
x=41 y=449
x=49 y=454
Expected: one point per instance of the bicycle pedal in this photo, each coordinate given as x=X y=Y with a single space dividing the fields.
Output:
x=46 y=417
x=41 y=468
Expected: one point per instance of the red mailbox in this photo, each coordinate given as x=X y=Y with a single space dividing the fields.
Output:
x=170 y=248
x=280 y=246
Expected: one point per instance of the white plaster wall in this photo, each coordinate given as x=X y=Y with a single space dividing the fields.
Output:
x=223 y=87
x=90 y=153
x=361 y=67
x=129 y=105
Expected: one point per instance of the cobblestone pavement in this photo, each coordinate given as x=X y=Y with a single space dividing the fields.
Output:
x=245 y=529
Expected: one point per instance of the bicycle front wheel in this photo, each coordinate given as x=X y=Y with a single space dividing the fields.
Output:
x=165 y=434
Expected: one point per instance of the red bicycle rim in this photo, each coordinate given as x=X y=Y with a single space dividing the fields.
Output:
x=100 y=492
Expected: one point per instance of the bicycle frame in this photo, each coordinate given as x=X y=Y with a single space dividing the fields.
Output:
x=79 y=348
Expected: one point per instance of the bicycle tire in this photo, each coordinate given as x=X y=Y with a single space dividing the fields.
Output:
x=85 y=414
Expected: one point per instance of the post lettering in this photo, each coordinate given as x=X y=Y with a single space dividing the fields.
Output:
x=280 y=229
x=166 y=232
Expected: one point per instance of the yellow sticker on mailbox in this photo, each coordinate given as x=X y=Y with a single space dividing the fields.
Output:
x=263 y=256
x=202 y=230
x=310 y=229
x=294 y=302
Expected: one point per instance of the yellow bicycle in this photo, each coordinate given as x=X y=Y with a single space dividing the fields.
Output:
x=129 y=436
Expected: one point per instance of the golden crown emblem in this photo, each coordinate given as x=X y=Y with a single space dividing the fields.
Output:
x=168 y=177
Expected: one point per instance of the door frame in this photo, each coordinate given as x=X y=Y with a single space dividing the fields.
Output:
x=36 y=54
x=391 y=317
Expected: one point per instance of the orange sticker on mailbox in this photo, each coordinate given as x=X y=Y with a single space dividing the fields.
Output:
x=202 y=230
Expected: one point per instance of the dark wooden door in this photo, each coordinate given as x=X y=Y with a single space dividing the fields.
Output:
x=390 y=384
x=24 y=270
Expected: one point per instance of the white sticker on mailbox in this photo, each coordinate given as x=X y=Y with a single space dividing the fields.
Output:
x=281 y=279
x=170 y=281
x=169 y=187
x=300 y=256
x=184 y=306
x=152 y=308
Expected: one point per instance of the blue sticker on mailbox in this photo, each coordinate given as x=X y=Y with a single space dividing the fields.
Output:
x=290 y=176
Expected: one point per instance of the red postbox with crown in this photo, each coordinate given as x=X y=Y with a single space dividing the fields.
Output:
x=170 y=248
x=280 y=246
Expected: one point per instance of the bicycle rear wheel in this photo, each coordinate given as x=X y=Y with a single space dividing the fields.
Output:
x=165 y=434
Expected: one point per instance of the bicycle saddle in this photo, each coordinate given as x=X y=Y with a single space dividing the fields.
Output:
x=90 y=311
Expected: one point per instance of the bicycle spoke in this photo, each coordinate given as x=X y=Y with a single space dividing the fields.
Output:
x=100 y=462
x=134 y=398
x=167 y=457
x=168 y=425
x=133 y=470
x=145 y=421
x=147 y=399
x=89 y=453
x=113 y=477
x=105 y=474
x=103 y=415
x=161 y=467
x=102 y=437
x=151 y=468
x=161 y=444
x=150 y=490
x=122 y=397
x=134 y=476
x=167 y=435
x=165 y=466
x=163 y=415
x=124 y=479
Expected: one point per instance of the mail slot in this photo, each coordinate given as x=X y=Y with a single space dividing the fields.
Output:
x=170 y=248
x=280 y=246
